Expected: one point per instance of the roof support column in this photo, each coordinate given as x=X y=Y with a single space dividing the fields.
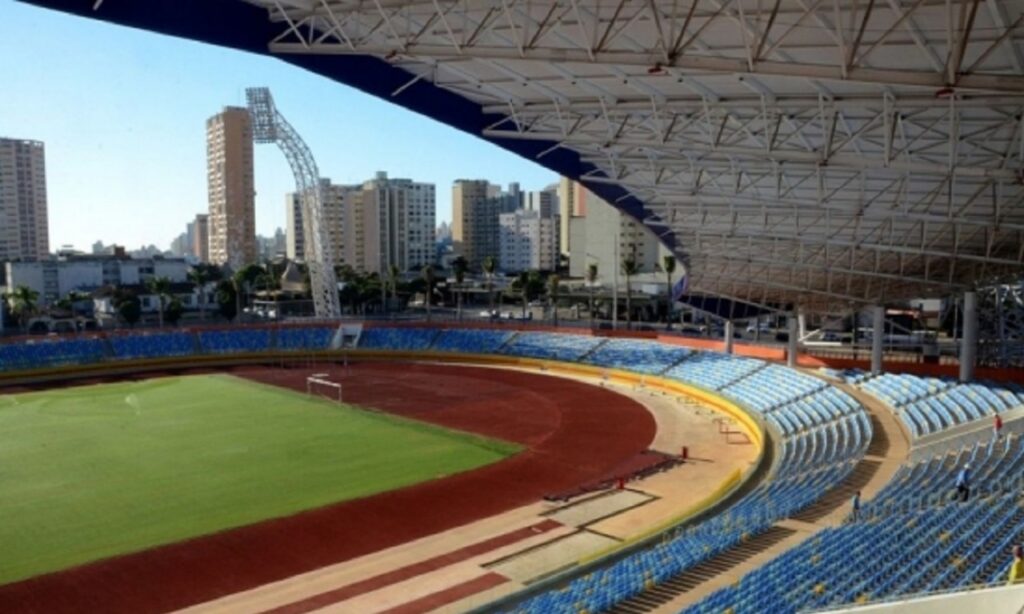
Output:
x=729 y=332
x=969 y=337
x=877 y=338
x=794 y=334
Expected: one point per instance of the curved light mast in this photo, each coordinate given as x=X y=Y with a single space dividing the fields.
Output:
x=269 y=126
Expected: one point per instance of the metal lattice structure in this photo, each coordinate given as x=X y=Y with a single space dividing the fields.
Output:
x=823 y=154
x=269 y=126
x=797 y=151
x=1001 y=330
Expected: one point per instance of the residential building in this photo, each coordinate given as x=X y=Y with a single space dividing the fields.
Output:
x=372 y=225
x=572 y=203
x=528 y=241
x=273 y=247
x=335 y=205
x=605 y=235
x=474 y=222
x=390 y=222
x=544 y=202
x=443 y=232
x=180 y=247
x=201 y=238
x=24 y=225
x=476 y=206
x=53 y=279
x=232 y=221
x=104 y=303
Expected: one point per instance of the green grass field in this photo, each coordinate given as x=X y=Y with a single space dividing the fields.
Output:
x=90 y=472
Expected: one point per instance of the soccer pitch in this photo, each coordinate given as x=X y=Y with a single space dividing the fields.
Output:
x=95 y=471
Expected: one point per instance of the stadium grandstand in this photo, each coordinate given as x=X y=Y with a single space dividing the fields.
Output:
x=797 y=157
x=904 y=538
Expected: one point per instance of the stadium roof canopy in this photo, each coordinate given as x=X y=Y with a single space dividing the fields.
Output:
x=824 y=153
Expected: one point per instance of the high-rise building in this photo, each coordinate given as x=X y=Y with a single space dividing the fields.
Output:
x=373 y=225
x=24 y=225
x=572 y=203
x=544 y=202
x=335 y=204
x=201 y=238
x=180 y=246
x=474 y=234
x=605 y=236
x=476 y=206
x=390 y=222
x=232 y=195
x=528 y=241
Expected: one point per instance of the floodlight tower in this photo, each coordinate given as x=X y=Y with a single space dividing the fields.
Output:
x=269 y=126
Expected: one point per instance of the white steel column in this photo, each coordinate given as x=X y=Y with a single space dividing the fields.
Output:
x=877 y=338
x=729 y=331
x=969 y=337
x=794 y=332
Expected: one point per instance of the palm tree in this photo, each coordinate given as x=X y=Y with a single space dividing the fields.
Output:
x=490 y=264
x=243 y=280
x=591 y=280
x=524 y=283
x=553 y=282
x=630 y=267
x=669 y=266
x=459 y=266
x=161 y=287
x=68 y=302
x=393 y=282
x=22 y=301
x=428 y=276
x=200 y=275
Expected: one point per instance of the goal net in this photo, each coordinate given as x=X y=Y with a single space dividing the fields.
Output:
x=318 y=385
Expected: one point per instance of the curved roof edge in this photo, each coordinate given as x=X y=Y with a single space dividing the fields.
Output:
x=245 y=27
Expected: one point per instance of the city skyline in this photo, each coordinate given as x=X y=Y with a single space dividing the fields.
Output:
x=134 y=132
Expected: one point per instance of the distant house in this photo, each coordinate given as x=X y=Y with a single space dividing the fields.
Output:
x=104 y=299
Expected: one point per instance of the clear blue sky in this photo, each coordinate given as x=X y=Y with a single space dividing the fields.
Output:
x=123 y=116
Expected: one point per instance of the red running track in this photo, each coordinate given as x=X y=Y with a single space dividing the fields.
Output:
x=573 y=432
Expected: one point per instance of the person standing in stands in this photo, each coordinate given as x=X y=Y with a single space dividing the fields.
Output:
x=963 y=482
x=1017 y=567
x=997 y=426
x=855 y=506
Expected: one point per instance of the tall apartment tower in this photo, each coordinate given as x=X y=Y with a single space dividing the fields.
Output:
x=528 y=240
x=24 y=225
x=232 y=195
x=390 y=222
x=201 y=237
x=335 y=202
x=544 y=202
x=474 y=221
x=605 y=236
x=572 y=203
x=476 y=207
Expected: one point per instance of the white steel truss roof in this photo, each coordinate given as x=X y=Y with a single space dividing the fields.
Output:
x=817 y=152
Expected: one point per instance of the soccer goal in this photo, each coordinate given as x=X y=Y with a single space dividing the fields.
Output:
x=318 y=385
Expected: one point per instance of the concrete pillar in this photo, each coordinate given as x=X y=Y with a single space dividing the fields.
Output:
x=729 y=332
x=794 y=334
x=969 y=337
x=801 y=320
x=877 y=338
